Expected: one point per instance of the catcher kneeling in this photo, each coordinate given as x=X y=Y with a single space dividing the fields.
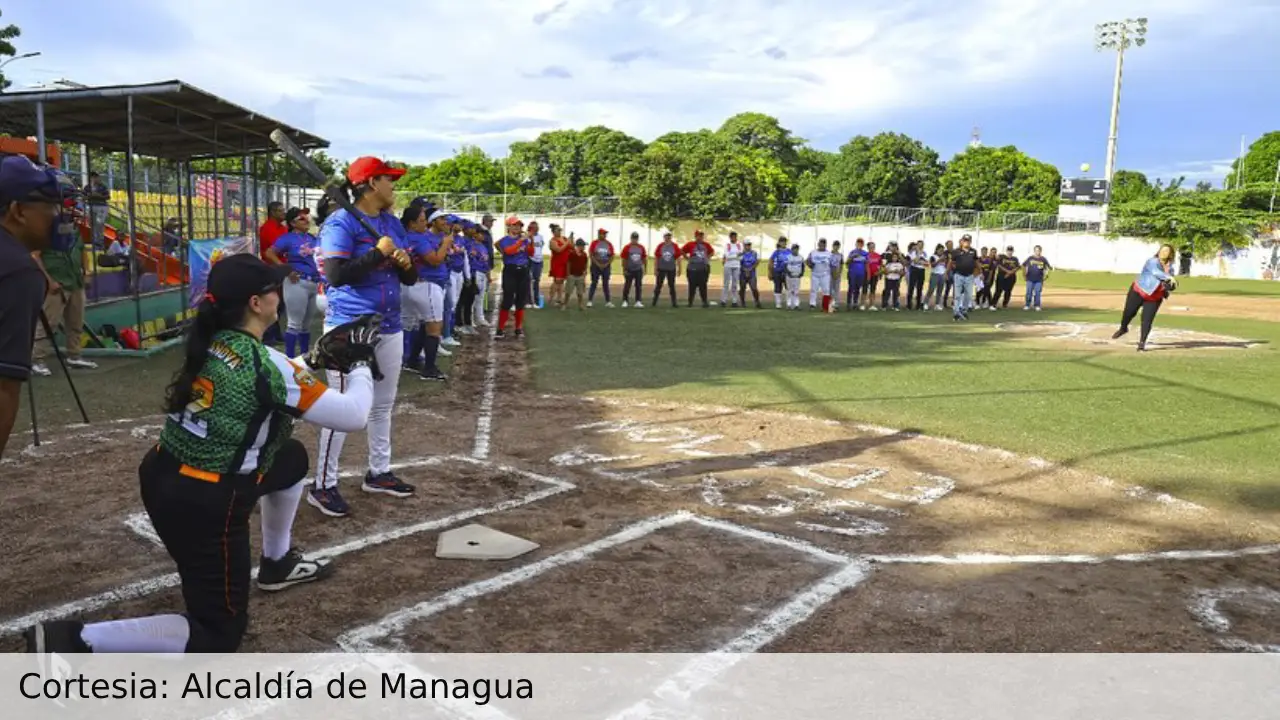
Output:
x=226 y=445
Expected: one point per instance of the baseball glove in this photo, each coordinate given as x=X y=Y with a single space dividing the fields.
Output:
x=347 y=346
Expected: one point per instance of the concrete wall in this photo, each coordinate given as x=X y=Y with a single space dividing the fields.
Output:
x=1064 y=251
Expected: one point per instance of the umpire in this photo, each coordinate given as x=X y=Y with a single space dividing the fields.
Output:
x=226 y=444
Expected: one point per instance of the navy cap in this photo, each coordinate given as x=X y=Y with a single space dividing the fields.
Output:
x=236 y=278
x=21 y=179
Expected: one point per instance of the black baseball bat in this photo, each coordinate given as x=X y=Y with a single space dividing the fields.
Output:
x=335 y=193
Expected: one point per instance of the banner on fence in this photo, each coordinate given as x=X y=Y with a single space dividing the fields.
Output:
x=204 y=253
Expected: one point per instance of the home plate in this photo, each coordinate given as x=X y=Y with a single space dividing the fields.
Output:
x=477 y=542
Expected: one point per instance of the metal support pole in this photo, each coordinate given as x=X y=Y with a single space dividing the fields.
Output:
x=40 y=140
x=133 y=245
x=244 y=199
x=1111 y=138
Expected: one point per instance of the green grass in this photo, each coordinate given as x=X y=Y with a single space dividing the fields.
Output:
x=1202 y=425
x=1073 y=280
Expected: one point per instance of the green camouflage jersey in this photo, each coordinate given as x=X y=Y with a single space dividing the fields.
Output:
x=243 y=406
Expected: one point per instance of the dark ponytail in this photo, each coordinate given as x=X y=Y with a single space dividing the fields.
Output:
x=208 y=321
x=411 y=214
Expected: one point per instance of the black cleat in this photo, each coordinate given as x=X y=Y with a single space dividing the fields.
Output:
x=500 y=334
x=58 y=636
x=434 y=375
x=519 y=333
x=292 y=569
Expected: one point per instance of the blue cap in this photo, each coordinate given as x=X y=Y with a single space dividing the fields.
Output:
x=21 y=179
x=454 y=218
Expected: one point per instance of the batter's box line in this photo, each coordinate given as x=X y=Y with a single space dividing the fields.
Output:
x=1070 y=559
x=695 y=675
x=150 y=586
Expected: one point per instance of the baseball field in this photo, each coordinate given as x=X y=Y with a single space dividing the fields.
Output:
x=750 y=480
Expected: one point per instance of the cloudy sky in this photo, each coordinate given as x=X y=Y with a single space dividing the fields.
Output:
x=414 y=79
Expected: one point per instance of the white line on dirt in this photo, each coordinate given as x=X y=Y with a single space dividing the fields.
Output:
x=149 y=586
x=140 y=524
x=1082 y=559
x=484 y=421
x=1204 y=607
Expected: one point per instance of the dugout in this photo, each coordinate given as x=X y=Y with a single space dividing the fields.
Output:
x=161 y=201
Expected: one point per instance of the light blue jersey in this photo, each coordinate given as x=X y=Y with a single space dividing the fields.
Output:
x=342 y=236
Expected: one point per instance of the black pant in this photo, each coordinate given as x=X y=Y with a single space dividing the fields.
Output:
x=780 y=284
x=915 y=287
x=631 y=278
x=748 y=281
x=984 y=295
x=891 y=289
x=462 y=315
x=1132 y=304
x=205 y=527
x=668 y=277
x=946 y=292
x=873 y=282
x=599 y=275
x=515 y=287
x=698 y=283
x=1004 y=286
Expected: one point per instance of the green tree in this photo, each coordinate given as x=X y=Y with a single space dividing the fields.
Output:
x=998 y=178
x=573 y=162
x=888 y=169
x=8 y=34
x=757 y=131
x=470 y=170
x=1259 y=162
x=1130 y=186
x=1205 y=221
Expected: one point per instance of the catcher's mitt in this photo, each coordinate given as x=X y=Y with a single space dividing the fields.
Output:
x=1169 y=286
x=347 y=346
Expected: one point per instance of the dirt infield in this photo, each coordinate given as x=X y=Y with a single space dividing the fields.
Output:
x=1100 y=336
x=675 y=528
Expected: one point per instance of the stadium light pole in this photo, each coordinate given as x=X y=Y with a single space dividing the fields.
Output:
x=1117 y=35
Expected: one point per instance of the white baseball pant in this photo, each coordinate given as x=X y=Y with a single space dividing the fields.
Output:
x=819 y=285
x=835 y=289
x=299 y=304
x=421 y=302
x=793 y=292
x=455 y=287
x=390 y=354
x=732 y=279
x=477 y=308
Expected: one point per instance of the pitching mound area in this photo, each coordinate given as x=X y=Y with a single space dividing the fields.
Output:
x=1096 y=335
x=673 y=528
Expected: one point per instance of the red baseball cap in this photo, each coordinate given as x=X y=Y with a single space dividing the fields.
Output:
x=602 y=231
x=513 y=220
x=366 y=168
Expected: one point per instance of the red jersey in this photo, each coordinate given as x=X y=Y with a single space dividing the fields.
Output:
x=270 y=231
x=577 y=263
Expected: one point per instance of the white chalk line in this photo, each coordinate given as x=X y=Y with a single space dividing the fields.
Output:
x=363 y=639
x=140 y=524
x=1136 y=492
x=1204 y=608
x=149 y=586
x=1071 y=559
x=484 y=421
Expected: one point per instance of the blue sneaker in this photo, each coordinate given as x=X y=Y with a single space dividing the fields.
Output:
x=387 y=484
x=329 y=501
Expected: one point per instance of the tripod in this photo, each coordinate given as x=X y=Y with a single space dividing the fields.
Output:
x=31 y=391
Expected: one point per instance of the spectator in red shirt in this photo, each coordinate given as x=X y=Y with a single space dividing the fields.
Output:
x=577 y=282
x=272 y=230
x=601 y=266
x=697 y=256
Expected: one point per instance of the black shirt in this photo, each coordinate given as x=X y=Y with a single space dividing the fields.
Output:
x=965 y=261
x=22 y=291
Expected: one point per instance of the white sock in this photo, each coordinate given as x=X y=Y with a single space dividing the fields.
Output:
x=278 y=511
x=155 y=634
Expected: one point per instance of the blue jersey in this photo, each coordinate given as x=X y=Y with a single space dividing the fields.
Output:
x=478 y=254
x=343 y=237
x=778 y=261
x=750 y=259
x=421 y=245
x=520 y=259
x=298 y=250
x=457 y=258
x=858 y=263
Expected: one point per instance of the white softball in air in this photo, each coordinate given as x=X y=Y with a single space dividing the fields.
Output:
x=1085 y=167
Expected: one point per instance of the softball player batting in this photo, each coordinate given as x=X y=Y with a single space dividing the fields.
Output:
x=296 y=250
x=363 y=275
x=227 y=443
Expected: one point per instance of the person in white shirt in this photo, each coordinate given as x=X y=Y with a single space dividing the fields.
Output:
x=820 y=278
x=795 y=271
x=732 y=271
x=837 y=274
x=537 y=245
